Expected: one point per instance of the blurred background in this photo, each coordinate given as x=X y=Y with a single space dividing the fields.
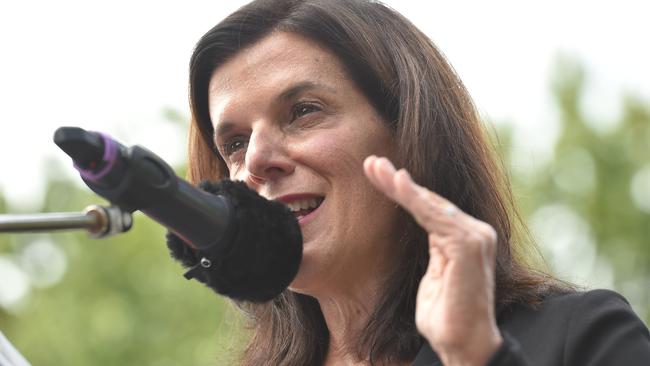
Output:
x=564 y=85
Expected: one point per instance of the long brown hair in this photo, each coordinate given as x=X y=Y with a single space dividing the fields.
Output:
x=441 y=141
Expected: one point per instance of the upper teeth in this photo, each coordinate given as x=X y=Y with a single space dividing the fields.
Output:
x=303 y=204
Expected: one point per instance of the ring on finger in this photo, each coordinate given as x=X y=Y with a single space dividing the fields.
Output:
x=449 y=210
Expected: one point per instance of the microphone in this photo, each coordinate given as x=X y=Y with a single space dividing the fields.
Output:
x=235 y=241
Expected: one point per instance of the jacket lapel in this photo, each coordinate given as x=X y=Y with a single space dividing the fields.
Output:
x=426 y=357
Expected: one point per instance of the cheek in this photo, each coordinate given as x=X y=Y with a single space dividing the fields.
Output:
x=347 y=146
x=334 y=158
x=234 y=173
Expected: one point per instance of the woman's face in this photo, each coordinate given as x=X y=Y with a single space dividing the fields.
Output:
x=290 y=123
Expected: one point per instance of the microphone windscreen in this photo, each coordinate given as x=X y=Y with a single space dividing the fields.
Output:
x=261 y=257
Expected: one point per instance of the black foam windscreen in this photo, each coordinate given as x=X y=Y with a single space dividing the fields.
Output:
x=260 y=257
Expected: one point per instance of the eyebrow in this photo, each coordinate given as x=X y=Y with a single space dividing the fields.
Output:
x=222 y=129
x=289 y=93
x=303 y=86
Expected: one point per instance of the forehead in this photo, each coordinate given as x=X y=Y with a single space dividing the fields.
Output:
x=277 y=60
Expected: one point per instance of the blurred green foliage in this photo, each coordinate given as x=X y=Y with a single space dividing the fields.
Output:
x=602 y=178
x=608 y=163
x=122 y=301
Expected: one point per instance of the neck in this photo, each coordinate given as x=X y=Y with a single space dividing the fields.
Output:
x=347 y=296
x=346 y=317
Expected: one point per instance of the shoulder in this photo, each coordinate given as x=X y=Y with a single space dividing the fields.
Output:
x=593 y=299
x=587 y=307
x=578 y=326
x=566 y=305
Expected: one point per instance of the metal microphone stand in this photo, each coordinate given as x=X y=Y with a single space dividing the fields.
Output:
x=99 y=221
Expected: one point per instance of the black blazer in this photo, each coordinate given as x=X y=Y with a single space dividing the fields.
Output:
x=580 y=329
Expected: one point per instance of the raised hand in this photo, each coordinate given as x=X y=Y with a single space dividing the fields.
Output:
x=455 y=301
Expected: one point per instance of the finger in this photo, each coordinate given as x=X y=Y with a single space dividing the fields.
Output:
x=432 y=211
x=437 y=260
x=426 y=207
x=369 y=170
x=380 y=172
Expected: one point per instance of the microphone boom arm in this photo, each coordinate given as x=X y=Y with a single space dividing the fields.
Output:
x=99 y=221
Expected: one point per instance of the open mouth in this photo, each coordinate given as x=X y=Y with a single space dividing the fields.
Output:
x=304 y=207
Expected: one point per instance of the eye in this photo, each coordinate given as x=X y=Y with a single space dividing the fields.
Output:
x=232 y=146
x=303 y=109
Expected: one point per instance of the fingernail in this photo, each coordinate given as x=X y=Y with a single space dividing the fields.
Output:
x=368 y=160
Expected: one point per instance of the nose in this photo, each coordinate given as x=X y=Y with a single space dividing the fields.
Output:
x=267 y=158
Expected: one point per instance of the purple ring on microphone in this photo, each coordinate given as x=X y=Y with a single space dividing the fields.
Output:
x=110 y=155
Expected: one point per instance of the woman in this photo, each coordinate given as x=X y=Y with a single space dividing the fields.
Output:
x=419 y=265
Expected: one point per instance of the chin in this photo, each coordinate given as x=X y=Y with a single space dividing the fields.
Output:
x=309 y=277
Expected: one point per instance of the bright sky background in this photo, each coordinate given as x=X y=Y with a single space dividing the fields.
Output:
x=114 y=66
